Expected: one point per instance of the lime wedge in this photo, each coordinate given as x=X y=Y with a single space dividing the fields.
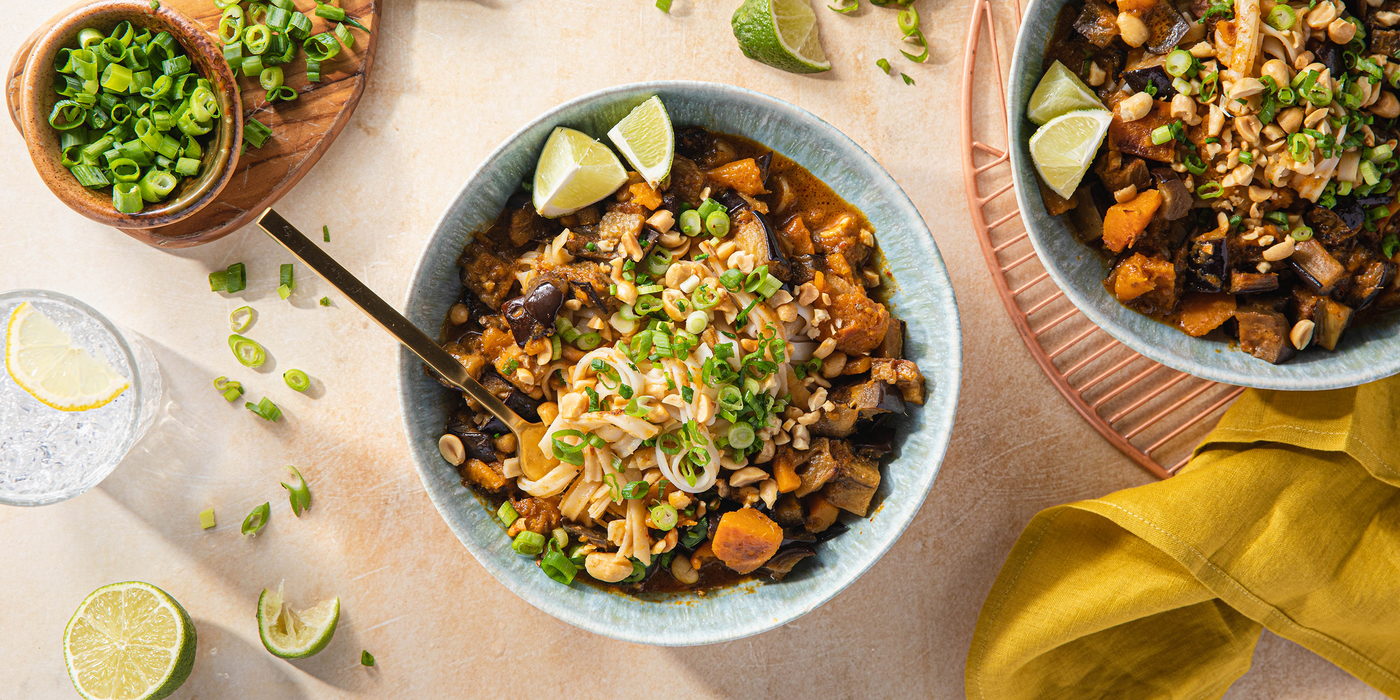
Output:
x=295 y=634
x=573 y=172
x=130 y=641
x=1060 y=92
x=781 y=33
x=646 y=139
x=1063 y=149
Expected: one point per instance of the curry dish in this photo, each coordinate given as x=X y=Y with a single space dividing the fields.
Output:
x=1245 y=186
x=712 y=360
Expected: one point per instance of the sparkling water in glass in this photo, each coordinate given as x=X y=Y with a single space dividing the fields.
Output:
x=48 y=455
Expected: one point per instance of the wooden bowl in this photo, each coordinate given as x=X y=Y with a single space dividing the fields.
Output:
x=37 y=98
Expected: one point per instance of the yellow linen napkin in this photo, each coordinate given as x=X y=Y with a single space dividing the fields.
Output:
x=1288 y=517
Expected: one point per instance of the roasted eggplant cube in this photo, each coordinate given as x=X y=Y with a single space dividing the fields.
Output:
x=1264 y=334
x=1332 y=320
x=1208 y=262
x=1316 y=267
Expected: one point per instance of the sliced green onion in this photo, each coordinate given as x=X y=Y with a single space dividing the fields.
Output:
x=251 y=67
x=230 y=390
x=248 y=352
x=717 y=224
x=507 y=513
x=321 y=47
x=664 y=516
x=883 y=64
x=1281 y=17
x=528 y=543
x=732 y=279
x=326 y=301
x=257 y=519
x=366 y=658
x=237 y=278
x=240 y=318
x=92 y=176
x=588 y=341
x=296 y=379
x=647 y=305
x=334 y=14
x=188 y=167
x=697 y=321
x=740 y=435
x=313 y=70
x=1161 y=135
x=557 y=566
x=206 y=519
x=288 y=285
x=265 y=409
x=690 y=222
x=557 y=347
x=298 y=493
x=255 y=132
x=650 y=289
x=282 y=93
x=907 y=80
x=1210 y=190
x=342 y=33
x=768 y=286
x=126 y=197
x=908 y=20
x=270 y=78
x=1301 y=233
x=326 y=233
x=1178 y=63
x=635 y=490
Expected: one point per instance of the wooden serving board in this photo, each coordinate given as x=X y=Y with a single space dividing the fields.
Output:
x=302 y=129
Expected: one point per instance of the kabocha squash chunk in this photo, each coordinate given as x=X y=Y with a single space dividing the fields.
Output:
x=745 y=539
x=742 y=175
x=821 y=514
x=1131 y=279
x=1202 y=313
x=1125 y=222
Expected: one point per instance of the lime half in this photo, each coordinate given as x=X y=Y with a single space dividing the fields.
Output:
x=1063 y=149
x=1060 y=92
x=295 y=634
x=130 y=641
x=781 y=33
x=646 y=139
x=573 y=172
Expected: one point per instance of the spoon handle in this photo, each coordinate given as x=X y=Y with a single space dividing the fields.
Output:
x=389 y=319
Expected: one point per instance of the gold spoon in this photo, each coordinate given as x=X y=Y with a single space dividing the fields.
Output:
x=533 y=462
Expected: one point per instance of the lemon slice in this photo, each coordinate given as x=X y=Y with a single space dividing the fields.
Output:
x=295 y=634
x=1063 y=149
x=130 y=641
x=781 y=33
x=1060 y=92
x=573 y=172
x=647 y=140
x=41 y=359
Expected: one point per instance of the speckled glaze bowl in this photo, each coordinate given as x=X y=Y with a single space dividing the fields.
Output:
x=924 y=298
x=37 y=98
x=1367 y=353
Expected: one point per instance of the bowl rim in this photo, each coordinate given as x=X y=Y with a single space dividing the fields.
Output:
x=1028 y=199
x=939 y=417
x=223 y=162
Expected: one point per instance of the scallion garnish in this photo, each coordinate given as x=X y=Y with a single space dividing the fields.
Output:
x=296 y=379
x=257 y=519
x=635 y=490
x=265 y=409
x=907 y=80
x=230 y=390
x=366 y=658
x=883 y=64
x=855 y=5
x=206 y=519
x=247 y=350
x=255 y=132
x=664 y=516
x=528 y=543
x=240 y=319
x=288 y=285
x=664 y=5
x=507 y=513
x=298 y=493
x=326 y=301
x=557 y=566
x=326 y=233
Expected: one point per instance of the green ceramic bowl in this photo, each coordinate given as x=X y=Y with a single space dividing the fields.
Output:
x=1366 y=354
x=924 y=298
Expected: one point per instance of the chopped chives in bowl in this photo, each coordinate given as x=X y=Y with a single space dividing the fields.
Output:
x=133 y=115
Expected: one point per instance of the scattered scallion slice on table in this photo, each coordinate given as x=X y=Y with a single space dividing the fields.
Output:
x=206 y=519
x=288 y=285
x=265 y=409
x=248 y=352
x=240 y=318
x=297 y=380
x=230 y=390
x=257 y=519
x=298 y=493
x=366 y=658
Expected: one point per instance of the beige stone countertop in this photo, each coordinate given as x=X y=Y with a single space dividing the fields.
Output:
x=452 y=79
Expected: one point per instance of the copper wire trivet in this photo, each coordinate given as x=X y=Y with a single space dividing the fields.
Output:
x=1154 y=414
